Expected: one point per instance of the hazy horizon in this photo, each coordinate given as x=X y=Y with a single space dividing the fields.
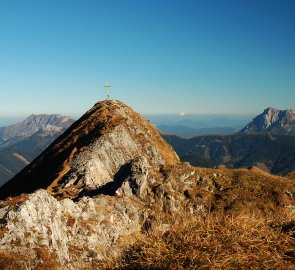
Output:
x=173 y=114
x=173 y=119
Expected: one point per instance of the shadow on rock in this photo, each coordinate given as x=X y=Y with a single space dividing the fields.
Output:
x=110 y=188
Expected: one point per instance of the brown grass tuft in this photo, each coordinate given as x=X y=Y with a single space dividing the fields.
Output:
x=217 y=241
x=41 y=260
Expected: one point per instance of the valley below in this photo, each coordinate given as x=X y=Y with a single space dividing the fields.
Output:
x=270 y=152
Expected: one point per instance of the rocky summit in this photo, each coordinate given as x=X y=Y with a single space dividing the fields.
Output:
x=280 y=122
x=101 y=146
x=108 y=180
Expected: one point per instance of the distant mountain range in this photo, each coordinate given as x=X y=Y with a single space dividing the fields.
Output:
x=268 y=142
x=190 y=125
x=24 y=141
x=188 y=132
x=270 y=152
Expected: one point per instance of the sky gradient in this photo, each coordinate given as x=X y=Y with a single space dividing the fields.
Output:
x=160 y=56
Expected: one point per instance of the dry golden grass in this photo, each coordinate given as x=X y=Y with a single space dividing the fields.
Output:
x=12 y=261
x=291 y=175
x=43 y=260
x=217 y=241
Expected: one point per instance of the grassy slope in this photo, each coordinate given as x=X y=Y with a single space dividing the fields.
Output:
x=215 y=242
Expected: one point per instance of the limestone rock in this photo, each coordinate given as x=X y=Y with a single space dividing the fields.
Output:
x=274 y=121
x=61 y=226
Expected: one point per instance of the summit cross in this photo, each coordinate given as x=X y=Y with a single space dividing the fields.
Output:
x=108 y=89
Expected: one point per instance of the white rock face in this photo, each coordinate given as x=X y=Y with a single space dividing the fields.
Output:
x=81 y=232
x=61 y=226
x=35 y=123
x=106 y=154
x=273 y=120
x=270 y=117
x=103 y=158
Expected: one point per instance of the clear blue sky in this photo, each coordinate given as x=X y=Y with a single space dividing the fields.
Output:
x=160 y=56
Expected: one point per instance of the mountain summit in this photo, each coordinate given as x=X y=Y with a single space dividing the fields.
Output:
x=102 y=143
x=280 y=122
x=35 y=123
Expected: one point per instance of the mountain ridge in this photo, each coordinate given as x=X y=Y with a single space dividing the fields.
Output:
x=273 y=152
x=273 y=120
x=267 y=142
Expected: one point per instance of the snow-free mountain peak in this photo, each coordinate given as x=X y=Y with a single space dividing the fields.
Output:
x=97 y=147
x=273 y=120
x=33 y=124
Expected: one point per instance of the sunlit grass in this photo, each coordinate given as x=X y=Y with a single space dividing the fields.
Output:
x=216 y=241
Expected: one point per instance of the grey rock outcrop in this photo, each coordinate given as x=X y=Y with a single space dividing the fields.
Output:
x=280 y=122
x=81 y=232
x=61 y=227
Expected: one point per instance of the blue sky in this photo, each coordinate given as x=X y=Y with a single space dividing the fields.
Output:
x=160 y=56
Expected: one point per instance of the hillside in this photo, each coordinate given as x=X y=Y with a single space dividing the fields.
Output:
x=24 y=141
x=291 y=175
x=270 y=152
x=110 y=193
x=10 y=164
